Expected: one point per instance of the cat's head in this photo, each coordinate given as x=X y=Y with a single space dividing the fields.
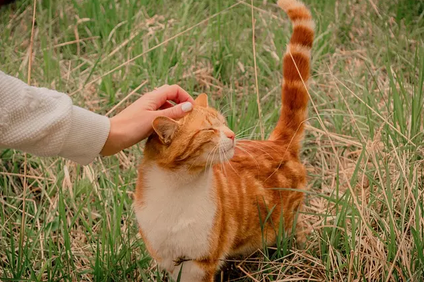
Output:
x=202 y=138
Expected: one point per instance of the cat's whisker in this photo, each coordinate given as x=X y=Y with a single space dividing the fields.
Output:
x=249 y=136
x=211 y=155
x=224 y=107
x=191 y=165
x=221 y=157
x=253 y=158
x=235 y=171
x=215 y=151
x=224 y=112
x=250 y=127
x=258 y=148
x=263 y=144
x=238 y=135
x=200 y=156
x=246 y=148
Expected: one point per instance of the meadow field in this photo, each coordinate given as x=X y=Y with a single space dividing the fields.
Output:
x=363 y=147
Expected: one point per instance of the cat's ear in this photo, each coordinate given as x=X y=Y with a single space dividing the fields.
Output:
x=202 y=100
x=165 y=128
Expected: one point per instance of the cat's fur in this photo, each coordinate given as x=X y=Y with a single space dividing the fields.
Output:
x=199 y=198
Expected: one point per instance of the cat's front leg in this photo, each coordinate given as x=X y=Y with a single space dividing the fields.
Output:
x=193 y=271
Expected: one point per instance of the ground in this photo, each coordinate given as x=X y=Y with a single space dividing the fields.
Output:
x=363 y=146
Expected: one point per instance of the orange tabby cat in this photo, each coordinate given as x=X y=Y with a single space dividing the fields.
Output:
x=200 y=199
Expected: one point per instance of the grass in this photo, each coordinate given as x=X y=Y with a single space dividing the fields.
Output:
x=363 y=147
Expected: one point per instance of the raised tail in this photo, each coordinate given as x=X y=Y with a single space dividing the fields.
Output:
x=297 y=60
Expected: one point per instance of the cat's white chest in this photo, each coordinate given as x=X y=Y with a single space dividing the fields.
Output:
x=177 y=215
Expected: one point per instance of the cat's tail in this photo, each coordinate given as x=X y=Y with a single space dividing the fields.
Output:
x=296 y=64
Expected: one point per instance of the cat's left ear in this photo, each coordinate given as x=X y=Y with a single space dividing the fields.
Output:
x=165 y=128
x=202 y=100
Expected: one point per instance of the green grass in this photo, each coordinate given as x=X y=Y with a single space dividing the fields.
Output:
x=363 y=147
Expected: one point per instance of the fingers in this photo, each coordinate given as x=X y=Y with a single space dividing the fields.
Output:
x=167 y=105
x=170 y=92
x=177 y=111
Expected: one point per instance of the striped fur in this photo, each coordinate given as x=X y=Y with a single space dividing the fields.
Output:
x=296 y=62
x=201 y=197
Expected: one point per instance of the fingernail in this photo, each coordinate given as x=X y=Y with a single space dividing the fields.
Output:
x=186 y=107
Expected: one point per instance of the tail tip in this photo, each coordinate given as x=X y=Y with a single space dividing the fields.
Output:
x=289 y=4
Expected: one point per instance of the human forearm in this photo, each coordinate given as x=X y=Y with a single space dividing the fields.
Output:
x=45 y=123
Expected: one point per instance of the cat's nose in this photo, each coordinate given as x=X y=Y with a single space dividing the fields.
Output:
x=230 y=135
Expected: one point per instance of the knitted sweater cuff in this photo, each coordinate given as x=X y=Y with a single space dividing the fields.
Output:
x=85 y=139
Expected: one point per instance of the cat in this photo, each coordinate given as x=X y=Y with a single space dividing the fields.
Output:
x=200 y=198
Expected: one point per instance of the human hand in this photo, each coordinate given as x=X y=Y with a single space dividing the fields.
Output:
x=134 y=123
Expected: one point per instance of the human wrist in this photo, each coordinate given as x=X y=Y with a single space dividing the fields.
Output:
x=113 y=141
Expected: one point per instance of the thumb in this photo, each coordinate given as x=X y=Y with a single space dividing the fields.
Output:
x=177 y=111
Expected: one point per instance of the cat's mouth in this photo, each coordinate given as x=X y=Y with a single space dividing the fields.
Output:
x=224 y=152
x=228 y=152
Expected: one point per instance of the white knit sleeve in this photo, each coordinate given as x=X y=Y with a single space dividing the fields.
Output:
x=45 y=123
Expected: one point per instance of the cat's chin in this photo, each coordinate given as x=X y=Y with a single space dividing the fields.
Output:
x=229 y=154
x=224 y=156
x=221 y=158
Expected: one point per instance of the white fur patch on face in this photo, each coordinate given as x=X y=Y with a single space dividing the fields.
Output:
x=226 y=147
x=220 y=150
x=223 y=150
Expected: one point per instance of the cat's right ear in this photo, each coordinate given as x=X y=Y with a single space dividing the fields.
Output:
x=165 y=128
x=202 y=100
